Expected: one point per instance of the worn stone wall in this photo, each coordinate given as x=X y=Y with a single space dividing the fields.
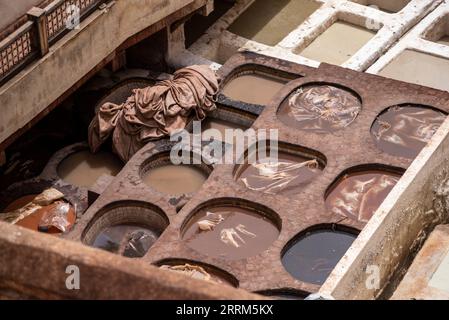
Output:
x=80 y=51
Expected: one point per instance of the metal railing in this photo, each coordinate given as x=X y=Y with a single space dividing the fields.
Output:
x=33 y=39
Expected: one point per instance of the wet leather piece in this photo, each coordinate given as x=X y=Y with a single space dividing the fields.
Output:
x=320 y=108
x=230 y=233
x=46 y=212
x=127 y=240
x=405 y=130
x=195 y=272
x=359 y=195
x=286 y=175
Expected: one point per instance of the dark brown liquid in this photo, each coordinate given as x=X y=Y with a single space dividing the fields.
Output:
x=313 y=257
x=286 y=175
x=20 y=202
x=34 y=220
x=320 y=108
x=128 y=240
x=260 y=234
x=359 y=195
x=404 y=131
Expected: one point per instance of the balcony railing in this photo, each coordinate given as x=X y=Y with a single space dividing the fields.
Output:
x=46 y=26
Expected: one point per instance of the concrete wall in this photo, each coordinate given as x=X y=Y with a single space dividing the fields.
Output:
x=70 y=59
x=33 y=265
x=397 y=230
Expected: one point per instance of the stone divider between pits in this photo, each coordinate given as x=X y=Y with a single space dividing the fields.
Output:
x=345 y=149
x=218 y=43
x=389 y=243
x=422 y=38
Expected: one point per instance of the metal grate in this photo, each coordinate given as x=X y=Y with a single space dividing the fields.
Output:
x=58 y=14
x=16 y=50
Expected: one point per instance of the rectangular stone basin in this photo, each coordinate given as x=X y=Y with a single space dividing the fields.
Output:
x=338 y=43
x=419 y=68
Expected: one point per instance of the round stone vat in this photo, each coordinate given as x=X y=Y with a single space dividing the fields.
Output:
x=224 y=118
x=82 y=168
x=358 y=192
x=54 y=212
x=255 y=84
x=312 y=255
x=159 y=173
x=231 y=229
x=198 y=270
x=281 y=169
x=404 y=130
x=320 y=107
x=128 y=228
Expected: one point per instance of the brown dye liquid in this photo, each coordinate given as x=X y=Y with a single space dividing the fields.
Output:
x=320 y=108
x=419 y=68
x=259 y=233
x=405 y=130
x=338 y=43
x=220 y=125
x=20 y=202
x=253 y=88
x=359 y=195
x=84 y=168
x=127 y=240
x=313 y=257
x=286 y=175
x=268 y=22
x=33 y=220
x=444 y=40
x=175 y=180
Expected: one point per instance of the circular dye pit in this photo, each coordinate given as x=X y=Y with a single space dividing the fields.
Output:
x=215 y=129
x=175 y=179
x=200 y=272
x=83 y=168
x=55 y=218
x=405 y=130
x=359 y=195
x=128 y=228
x=287 y=174
x=312 y=257
x=229 y=233
x=320 y=108
x=253 y=87
x=127 y=240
